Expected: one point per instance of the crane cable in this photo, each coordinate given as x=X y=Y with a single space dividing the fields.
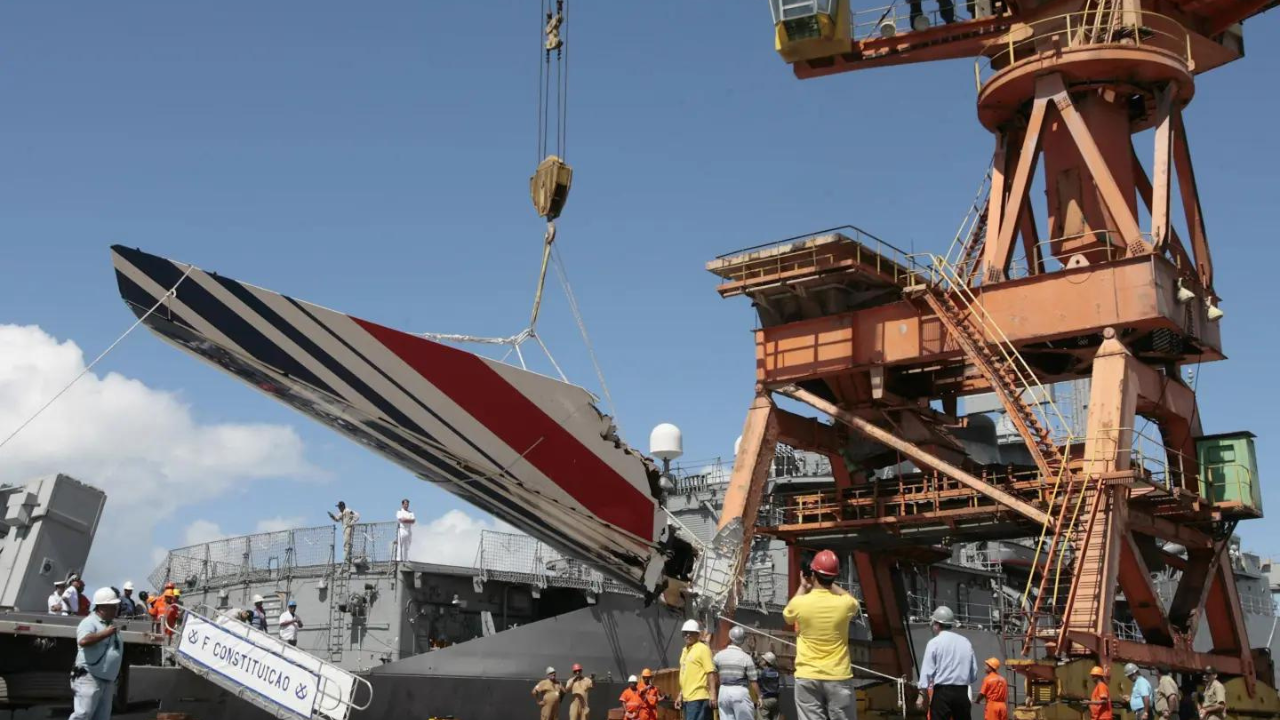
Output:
x=549 y=188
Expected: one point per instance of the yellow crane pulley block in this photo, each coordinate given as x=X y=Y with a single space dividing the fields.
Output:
x=549 y=186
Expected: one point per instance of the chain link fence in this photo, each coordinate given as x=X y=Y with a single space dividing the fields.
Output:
x=246 y=558
x=508 y=557
x=374 y=542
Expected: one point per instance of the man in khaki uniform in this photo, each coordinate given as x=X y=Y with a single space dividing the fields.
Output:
x=547 y=694
x=1167 y=696
x=578 y=687
x=1215 y=697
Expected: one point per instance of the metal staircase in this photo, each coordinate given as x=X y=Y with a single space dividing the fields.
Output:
x=1068 y=563
x=1009 y=376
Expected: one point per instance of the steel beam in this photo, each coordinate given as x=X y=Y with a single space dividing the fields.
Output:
x=1175 y=658
x=918 y=455
x=884 y=607
x=1191 y=202
x=998 y=255
x=1160 y=202
x=747 y=481
x=1110 y=193
x=1133 y=293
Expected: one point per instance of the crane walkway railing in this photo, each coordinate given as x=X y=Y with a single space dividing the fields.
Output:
x=1052 y=35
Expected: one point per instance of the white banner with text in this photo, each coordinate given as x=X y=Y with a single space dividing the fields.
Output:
x=247 y=665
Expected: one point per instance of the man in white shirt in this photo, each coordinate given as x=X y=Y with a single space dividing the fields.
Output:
x=71 y=596
x=56 y=606
x=289 y=624
x=949 y=669
x=405 y=521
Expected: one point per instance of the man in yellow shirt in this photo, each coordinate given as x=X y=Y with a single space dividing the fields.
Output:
x=697 y=675
x=821 y=612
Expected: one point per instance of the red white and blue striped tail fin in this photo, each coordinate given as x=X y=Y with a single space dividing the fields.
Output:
x=524 y=447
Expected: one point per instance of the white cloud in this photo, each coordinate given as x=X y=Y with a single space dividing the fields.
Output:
x=140 y=445
x=278 y=523
x=452 y=538
x=202 y=531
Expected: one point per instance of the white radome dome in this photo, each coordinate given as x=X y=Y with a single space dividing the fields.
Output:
x=666 y=442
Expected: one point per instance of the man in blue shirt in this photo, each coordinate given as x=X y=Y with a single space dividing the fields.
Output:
x=1139 y=698
x=93 y=679
x=128 y=606
x=258 y=616
x=949 y=670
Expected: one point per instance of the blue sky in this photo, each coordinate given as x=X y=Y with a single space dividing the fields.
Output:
x=375 y=159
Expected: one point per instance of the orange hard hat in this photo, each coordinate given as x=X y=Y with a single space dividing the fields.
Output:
x=993 y=663
x=1097 y=672
x=169 y=586
x=647 y=673
x=577 y=667
x=169 y=592
x=825 y=563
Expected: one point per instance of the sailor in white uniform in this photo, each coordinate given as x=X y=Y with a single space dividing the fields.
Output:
x=404 y=530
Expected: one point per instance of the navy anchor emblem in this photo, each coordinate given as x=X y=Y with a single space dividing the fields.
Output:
x=193 y=635
x=300 y=692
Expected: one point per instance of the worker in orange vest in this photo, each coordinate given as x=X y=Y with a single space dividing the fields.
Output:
x=632 y=701
x=650 y=696
x=173 y=613
x=995 y=692
x=156 y=606
x=1100 y=701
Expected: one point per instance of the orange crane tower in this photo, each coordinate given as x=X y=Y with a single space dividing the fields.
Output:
x=885 y=342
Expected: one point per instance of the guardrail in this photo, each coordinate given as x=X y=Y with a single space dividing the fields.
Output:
x=1052 y=35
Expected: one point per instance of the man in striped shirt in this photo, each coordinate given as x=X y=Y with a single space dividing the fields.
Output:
x=736 y=672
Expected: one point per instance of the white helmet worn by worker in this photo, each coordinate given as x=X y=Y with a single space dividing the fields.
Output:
x=633 y=678
x=105 y=596
x=257 y=599
x=550 y=670
x=769 y=658
x=690 y=626
x=943 y=616
x=737 y=635
x=1130 y=670
x=128 y=584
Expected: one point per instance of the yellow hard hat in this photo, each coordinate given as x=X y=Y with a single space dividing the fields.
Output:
x=647 y=673
x=993 y=663
x=1097 y=672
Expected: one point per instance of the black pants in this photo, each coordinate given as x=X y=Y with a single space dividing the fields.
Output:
x=945 y=8
x=950 y=702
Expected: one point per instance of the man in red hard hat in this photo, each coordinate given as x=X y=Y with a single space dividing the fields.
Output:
x=579 y=688
x=821 y=611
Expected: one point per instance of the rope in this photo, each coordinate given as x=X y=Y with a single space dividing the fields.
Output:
x=171 y=293
x=901 y=682
x=582 y=328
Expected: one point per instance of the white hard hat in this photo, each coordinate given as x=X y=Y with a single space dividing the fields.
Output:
x=690 y=626
x=737 y=635
x=550 y=669
x=943 y=615
x=128 y=584
x=257 y=599
x=1130 y=669
x=769 y=658
x=105 y=596
x=633 y=678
